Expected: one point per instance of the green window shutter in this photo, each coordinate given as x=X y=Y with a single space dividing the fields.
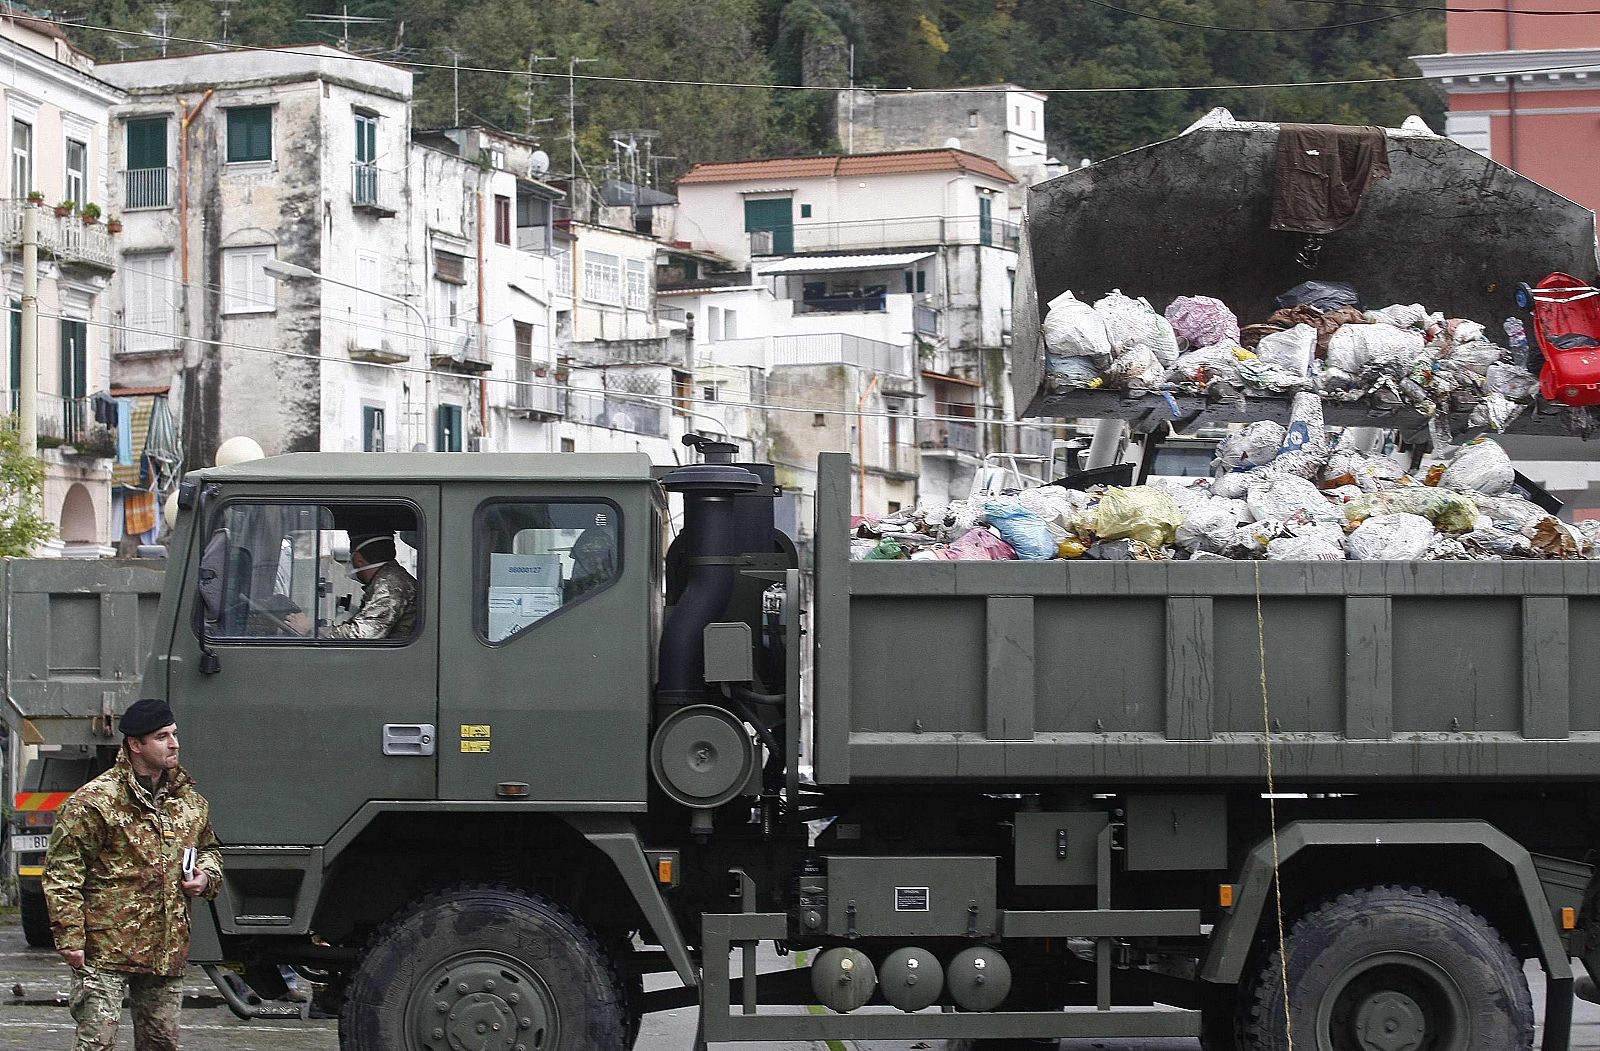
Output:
x=449 y=429
x=15 y=375
x=776 y=216
x=250 y=134
x=147 y=143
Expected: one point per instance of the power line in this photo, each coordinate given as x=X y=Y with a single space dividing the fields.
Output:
x=1258 y=29
x=744 y=85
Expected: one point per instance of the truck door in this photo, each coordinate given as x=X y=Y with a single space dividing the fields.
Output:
x=324 y=692
x=547 y=643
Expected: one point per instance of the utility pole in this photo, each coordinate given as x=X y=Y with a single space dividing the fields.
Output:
x=850 y=103
x=572 y=112
x=28 y=382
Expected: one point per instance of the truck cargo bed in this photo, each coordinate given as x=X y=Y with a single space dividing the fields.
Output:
x=1083 y=672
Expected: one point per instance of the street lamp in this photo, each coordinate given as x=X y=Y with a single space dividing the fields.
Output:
x=279 y=270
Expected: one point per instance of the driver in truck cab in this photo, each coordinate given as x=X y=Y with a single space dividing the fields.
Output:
x=389 y=600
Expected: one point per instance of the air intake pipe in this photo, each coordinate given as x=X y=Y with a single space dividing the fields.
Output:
x=709 y=532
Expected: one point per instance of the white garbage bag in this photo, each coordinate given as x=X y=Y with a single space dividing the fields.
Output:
x=1354 y=346
x=1481 y=465
x=1132 y=324
x=1391 y=538
x=1073 y=329
x=1291 y=350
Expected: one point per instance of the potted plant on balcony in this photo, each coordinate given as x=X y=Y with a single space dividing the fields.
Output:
x=113 y=225
x=90 y=214
x=35 y=196
x=66 y=208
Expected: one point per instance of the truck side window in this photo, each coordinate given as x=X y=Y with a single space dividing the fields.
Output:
x=311 y=573
x=534 y=557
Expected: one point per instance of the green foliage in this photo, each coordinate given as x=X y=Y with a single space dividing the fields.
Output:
x=23 y=525
x=897 y=44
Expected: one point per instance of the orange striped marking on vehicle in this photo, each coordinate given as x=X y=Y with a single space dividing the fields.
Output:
x=41 y=800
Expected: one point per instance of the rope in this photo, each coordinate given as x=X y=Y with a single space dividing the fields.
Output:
x=1272 y=810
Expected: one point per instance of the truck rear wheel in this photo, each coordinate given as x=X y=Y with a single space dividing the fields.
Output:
x=485 y=967
x=35 y=916
x=1393 y=969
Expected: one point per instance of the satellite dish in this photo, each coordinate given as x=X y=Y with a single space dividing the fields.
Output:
x=538 y=164
x=952 y=143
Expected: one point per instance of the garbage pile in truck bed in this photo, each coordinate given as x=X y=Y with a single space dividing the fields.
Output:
x=1282 y=494
x=1319 y=340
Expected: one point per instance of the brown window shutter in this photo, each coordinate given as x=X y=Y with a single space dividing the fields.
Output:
x=447 y=266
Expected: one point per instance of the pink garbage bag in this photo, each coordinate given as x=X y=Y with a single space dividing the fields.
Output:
x=979 y=545
x=1203 y=321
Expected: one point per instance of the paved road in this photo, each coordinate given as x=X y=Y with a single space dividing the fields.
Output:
x=33 y=1016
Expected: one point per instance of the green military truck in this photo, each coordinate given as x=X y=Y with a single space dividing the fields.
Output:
x=1038 y=798
x=74 y=636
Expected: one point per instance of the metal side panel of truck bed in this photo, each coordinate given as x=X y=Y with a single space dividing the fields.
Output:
x=76 y=635
x=1060 y=672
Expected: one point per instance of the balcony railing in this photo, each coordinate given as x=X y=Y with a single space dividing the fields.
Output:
x=374 y=190
x=536 y=393
x=839 y=348
x=68 y=238
x=671 y=349
x=948 y=434
x=600 y=409
x=864 y=234
x=146 y=188
x=68 y=421
x=844 y=303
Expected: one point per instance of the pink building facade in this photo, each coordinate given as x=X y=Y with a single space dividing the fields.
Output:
x=1523 y=82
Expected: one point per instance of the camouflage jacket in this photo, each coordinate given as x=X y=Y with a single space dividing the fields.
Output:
x=112 y=873
x=388 y=608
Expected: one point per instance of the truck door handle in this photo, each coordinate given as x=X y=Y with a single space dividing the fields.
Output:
x=408 y=738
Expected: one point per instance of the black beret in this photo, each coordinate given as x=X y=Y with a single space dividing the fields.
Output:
x=144 y=717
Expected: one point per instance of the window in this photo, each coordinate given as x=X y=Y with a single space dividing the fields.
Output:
x=21 y=158
x=564 y=273
x=1033 y=120
x=922 y=280
x=145 y=180
x=502 y=219
x=805 y=211
x=449 y=429
x=569 y=445
x=533 y=558
x=282 y=572
x=819 y=419
x=497 y=158
x=249 y=134
x=77 y=187
x=372 y=420
x=449 y=303
x=1017 y=115
x=369 y=304
x=366 y=125
x=638 y=284
x=972 y=118
x=730 y=324
x=76 y=416
x=246 y=288
x=708 y=392
x=713 y=323
x=147 y=292
x=602 y=278
x=449 y=266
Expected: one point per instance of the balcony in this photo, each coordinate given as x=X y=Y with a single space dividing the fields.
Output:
x=671 y=349
x=66 y=238
x=68 y=422
x=839 y=348
x=870 y=300
x=374 y=191
x=925 y=321
x=865 y=234
x=146 y=188
x=536 y=395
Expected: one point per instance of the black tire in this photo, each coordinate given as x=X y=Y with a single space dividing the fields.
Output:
x=1393 y=957
x=491 y=956
x=1220 y=1021
x=35 y=916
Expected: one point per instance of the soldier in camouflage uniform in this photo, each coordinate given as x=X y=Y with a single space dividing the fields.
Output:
x=115 y=886
x=389 y=603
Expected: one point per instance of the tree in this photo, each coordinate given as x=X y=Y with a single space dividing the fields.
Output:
x=23 y=525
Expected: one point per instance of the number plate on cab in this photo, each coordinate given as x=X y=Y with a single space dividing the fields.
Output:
x=25 y=844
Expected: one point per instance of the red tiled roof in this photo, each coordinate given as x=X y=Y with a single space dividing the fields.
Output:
x=839 y=165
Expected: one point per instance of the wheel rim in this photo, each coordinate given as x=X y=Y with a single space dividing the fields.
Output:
x=1394 y=1001
x=482 y=1001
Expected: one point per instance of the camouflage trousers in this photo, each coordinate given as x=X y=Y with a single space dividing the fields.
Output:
x=96 y=1003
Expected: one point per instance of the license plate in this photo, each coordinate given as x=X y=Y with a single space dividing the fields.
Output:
x=27 y=844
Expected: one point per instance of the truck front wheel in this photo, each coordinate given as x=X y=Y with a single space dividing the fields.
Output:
x=1392 y=969
x=485 y=967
